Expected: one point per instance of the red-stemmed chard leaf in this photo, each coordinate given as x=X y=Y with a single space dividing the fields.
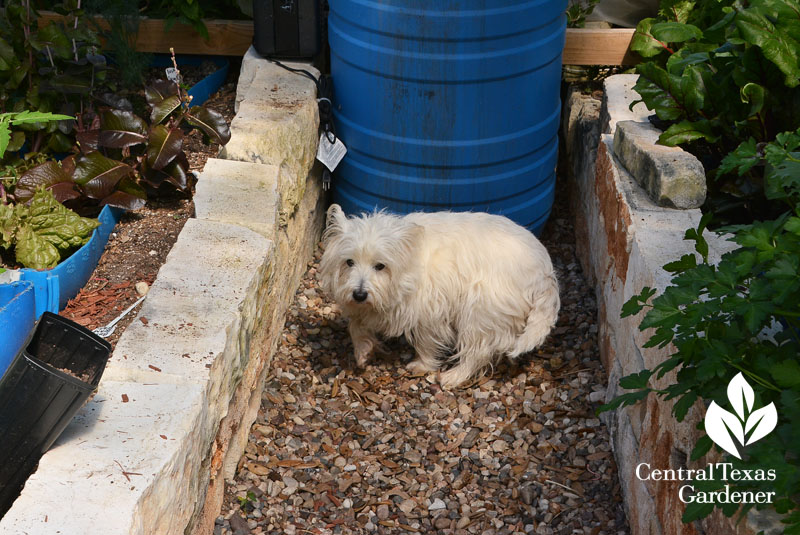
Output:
x=119 y=129
x=211 y=122
x=129 y=196
x=176 y=174
x=45 y=176
x=87 y=141
x=159 y=90
x=161 y=110
x=98 y=175
x=163 y=146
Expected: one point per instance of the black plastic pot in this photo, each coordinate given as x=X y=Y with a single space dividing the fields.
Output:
x=38 y=400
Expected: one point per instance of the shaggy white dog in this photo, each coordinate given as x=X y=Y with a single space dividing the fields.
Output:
x=465 y=287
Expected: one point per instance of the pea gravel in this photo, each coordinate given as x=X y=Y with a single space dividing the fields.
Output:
x=338 y=450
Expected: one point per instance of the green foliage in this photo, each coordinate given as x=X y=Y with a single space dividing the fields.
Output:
x=44 y=231
x=742 y=315
x=54 y=68
x=577 y=12
x=723 y=77
x=15 y=139
x=192 y=12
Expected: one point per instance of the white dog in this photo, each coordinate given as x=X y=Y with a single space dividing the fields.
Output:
x=468 y=287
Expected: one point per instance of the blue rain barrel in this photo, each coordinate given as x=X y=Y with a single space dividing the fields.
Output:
x=447 y=105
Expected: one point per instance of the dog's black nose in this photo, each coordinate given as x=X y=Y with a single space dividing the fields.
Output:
x=360 y=295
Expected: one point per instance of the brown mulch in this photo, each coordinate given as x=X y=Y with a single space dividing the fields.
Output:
x=139 y=244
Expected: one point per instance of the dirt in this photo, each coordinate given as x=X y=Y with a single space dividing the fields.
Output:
x=140 y=242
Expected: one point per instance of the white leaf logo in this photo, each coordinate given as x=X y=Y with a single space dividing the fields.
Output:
x=723 y=426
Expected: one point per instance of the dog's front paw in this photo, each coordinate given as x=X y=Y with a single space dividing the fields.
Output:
x=362 y=357
x=419 y=366
x=454 y=377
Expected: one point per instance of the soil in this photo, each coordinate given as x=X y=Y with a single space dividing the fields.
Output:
x=140 y=242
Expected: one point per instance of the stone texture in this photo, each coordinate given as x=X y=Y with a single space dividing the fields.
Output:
x=618 y=95
x=581 y=129
x=241 y=193
x=277 y=124
x=670 y=175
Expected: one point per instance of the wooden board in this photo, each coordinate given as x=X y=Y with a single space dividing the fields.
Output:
x=591 y=46
x=233 y=38
x=225 y=37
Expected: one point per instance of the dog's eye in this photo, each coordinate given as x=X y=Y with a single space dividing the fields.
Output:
x=349 y=262
x=379 y=267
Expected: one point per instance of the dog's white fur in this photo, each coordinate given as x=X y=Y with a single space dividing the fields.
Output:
x=463 y=286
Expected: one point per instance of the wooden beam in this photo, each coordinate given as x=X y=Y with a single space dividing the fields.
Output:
x=589 y=46
x=225 y=37
x=233 y=38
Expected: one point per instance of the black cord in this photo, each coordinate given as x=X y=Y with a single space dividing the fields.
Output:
x=324 y=93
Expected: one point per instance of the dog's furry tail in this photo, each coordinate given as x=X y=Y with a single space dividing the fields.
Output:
x=542 y=317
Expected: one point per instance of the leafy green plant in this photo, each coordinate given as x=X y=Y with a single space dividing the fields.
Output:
x=723 y=81
x=721 y=74
x=125 y=159
x=247 y=502
x=44 y=231
x=577 y=12
x=192 y=12
x=53 y=68
x=15 y=139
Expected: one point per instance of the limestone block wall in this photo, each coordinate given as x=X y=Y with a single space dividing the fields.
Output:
x=624 y=239
x=150 y=452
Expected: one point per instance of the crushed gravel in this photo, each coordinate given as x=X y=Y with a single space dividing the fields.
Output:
x=337 y=450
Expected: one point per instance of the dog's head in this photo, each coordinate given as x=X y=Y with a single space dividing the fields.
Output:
x=368 y=260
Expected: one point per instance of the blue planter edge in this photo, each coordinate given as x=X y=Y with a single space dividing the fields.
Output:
x=202 y=90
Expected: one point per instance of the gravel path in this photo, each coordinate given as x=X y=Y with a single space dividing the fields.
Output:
x=336 y=450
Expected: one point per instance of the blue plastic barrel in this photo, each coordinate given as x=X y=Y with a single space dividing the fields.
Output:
x=448 y=104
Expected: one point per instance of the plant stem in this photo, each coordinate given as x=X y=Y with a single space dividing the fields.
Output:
x=754 y=377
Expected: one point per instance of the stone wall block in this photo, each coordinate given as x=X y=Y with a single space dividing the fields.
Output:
x=671 y=176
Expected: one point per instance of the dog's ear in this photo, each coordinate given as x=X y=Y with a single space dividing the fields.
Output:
x=335 y=221
x=412 y=233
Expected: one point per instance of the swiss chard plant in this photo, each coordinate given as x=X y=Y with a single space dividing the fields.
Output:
x=724 y=80
x=719 y=75
x=128 y=158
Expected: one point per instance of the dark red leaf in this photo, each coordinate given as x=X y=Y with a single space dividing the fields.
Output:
x=99 y=175
x=119 y=129
x=161 y=110
x=87 y=140
x=45 y=175
x=211 y=122
x=163 y=146
x=160 y=90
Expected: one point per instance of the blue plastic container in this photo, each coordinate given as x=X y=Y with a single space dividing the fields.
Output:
x=451 y=104
x=54 y=287
x=16 y=319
